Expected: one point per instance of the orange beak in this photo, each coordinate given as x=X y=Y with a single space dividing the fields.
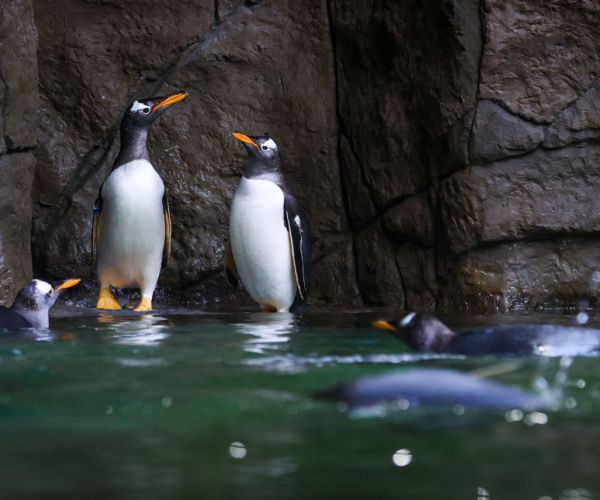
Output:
x=244 y=138
x=172 y=99
x=67 y=284
x=384 y=325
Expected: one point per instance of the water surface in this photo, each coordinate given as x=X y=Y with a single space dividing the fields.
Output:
x=218 y=405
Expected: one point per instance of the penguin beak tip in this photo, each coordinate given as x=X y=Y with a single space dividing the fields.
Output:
x=384 y=325
x=67 y=284
x=170 y=100
x=244 y=138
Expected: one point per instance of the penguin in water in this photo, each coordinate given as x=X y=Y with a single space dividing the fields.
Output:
x=131 y=233
x=431 y=387
x=32 y=304
x=423 y=332
x=269 y=235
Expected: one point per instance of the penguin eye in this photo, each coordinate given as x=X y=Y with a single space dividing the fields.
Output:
x=145 y=111
x=50 y=293
x=264 y=148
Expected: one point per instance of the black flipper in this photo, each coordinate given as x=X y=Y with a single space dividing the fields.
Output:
x=96 y=225
x=299 y=231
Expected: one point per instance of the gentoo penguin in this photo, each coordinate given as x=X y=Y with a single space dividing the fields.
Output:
x=31 y=306
x=131 y=232
x=432 y=387
x=423 y=332
x=269 y=247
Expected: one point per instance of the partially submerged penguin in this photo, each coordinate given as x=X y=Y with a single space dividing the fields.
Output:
x=431 y=387
x=131 y=233
x=269 y=247
x=32 y=304
x=423 y=332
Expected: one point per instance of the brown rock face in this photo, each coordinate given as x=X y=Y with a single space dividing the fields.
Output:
x=18 y=105
x=446 y=152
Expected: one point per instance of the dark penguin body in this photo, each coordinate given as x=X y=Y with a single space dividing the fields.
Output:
x=431 y=387
x=131 y=235
x=423 y=332
x=269 y=235
x=32 y=304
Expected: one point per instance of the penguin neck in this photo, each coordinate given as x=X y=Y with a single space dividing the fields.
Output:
x=133 y=146
x=258 y=170
x=35 y=317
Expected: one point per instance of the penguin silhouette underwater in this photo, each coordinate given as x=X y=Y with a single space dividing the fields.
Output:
x=431 y=387
x=269 y=234
x=32 y=304
x=131 y=234
x=423 y=332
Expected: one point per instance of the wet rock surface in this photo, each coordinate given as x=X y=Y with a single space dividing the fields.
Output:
x=446 y=153
x=18 y=107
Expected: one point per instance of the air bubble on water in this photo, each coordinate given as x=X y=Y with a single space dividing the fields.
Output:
x=515 y=415
x=166 y=402
x=459 y=409
x=109 y=411
x=237 y=450
x=536 y=418
x=580 y=384
x=404 y=404
x=582 y=318
x=402 y=457
x=482 y=494
x=541 y=384
x=570 y=403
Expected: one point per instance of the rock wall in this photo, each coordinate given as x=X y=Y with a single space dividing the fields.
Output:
x=447 y=152
x=474 y=128
x=18 y=105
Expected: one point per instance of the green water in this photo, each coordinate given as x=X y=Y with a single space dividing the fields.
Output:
x=152 y=406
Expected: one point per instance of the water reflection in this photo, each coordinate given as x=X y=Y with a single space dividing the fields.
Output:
x=267 y=331
x=136 y=330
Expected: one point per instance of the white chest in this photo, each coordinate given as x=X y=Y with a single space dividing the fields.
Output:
x=132 y=228
x=260 y=242
x=134 y=184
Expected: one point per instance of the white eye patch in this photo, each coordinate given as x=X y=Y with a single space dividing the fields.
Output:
x=408 y=318
x=42 y=287
x=269 y=144
x=139 y=106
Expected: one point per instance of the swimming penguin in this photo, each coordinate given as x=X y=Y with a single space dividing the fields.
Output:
x=31 y=305
x=423 y=332
x=431 y=387
x=269 y=247
x=131 y=233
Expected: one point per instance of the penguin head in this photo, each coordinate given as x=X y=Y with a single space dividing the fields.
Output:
x=36 y=298
x=263 y=153
x=142 y=113
x=421 y=331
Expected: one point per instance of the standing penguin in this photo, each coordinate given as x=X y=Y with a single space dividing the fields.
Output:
x=269 y=247
x=131 y=232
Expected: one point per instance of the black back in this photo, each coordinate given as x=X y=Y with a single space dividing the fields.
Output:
x=11 y=320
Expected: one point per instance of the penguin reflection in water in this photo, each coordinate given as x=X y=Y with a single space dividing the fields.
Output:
x=131 y=233
x=269 y=247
